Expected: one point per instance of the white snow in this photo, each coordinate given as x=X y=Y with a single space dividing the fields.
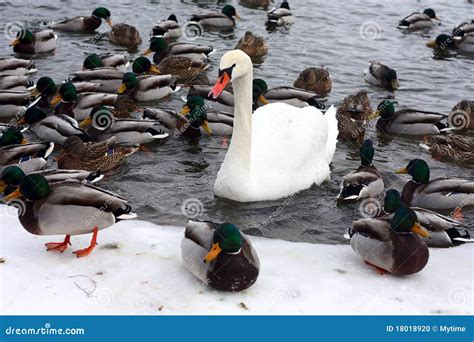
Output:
x=145 y=275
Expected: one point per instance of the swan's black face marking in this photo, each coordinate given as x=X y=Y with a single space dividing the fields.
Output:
x=228 y=71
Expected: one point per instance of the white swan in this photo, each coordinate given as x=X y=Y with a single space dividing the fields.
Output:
x=277 y=151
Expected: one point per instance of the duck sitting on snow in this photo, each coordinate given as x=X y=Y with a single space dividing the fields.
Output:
x=84 y=24
x=31 y=43
x=67 y=208
x=418 y=21
x=436 y=194
x=366 y=181
x=220 y=255
x=391 y=245
x=443 y=231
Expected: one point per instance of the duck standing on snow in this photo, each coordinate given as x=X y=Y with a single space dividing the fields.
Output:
x=220 y=255
x=68 y=208
x=272 y=152
x=31 y=43
x=391 y=245
x=408 y=121
x=84 y=24
x=167 y=29
x=253 y=45
x=224 y=20
x=316 y=80
x=436 y=194
x=443 y=231
x=366 y=181
x=381 y=75
x=281 y=16
x=418 y=21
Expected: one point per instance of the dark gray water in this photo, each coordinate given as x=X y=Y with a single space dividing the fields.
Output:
x=336 y=34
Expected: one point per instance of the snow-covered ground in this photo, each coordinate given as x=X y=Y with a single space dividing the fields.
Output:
x=137 y=269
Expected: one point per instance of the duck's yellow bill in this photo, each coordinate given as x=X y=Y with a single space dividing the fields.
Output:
x=205 y=126
x=147 y=52
x=24 y=141
x=237 y=16
x=58 y=98
x=401 y=171
x=374 y=115
x=212 y=255
x=86 y=122
x=417 y=229
x=13 y=195
x=154 y=69
x=431 y=44
x=109 y=22
x=3 y=185
x=15 y=42
x=394 y=84
x=263 y=100
x=122 y=88
x=185 y=110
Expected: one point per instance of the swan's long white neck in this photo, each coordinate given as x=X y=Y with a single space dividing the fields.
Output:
x=238 y=156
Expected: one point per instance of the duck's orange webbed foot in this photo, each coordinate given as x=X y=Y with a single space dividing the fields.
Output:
x=59 y=246
x=86 y=251
x=380 y=271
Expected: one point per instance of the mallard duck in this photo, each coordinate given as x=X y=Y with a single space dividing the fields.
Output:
x=453 y=148
x=220 y=255
x=94 y=61
x=464 y=28
x=102 y=156
x=184 y=68
x=126 y=131
x=381 y=75
x=29 y=157
x=162 y=50
x=84 y=24
x=281 y=16
x=125 y=35
x=253 y=45
x=223 y=20
x=443 y=231
x=194 y=120
x=147 y=88
x=293 y=96
x=418 y=21
x=462 y=115
x=391 y=245
x=352 y=116
x=366 y=181
x=464 y=43
x=12 y=104
x=408 y=121
x=68 y=102
x=16 y=67
x=255 y=3
x=15 y=83
x=316 y=80
x=439 y=193
x=12 y=136
x=31 y=43
x=109 y=79
x=56 y=128
x=168 y=29
x=12 y=176
x=70 y=208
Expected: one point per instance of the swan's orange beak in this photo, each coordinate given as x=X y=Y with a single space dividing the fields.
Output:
x=220 y=85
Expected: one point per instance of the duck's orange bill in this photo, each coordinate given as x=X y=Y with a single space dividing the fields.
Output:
x=221 y=83
x=13 y=195
x=420 y=230
x=401 y=171
x=15 y=42
x=212 y=255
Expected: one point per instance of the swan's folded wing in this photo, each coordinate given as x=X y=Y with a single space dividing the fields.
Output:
x=333 y=132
